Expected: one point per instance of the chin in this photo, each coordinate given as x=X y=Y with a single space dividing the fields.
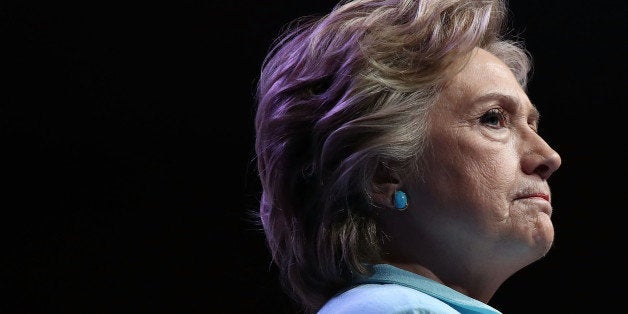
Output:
x=543 y=240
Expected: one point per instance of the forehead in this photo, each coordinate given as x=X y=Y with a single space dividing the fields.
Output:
x=484 y=75
x=483 y=72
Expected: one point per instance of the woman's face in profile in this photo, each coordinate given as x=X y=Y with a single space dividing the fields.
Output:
x=485 y=186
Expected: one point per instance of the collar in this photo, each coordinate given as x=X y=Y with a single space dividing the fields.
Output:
x=388 y=274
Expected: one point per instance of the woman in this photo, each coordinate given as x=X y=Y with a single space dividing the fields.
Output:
x=399 y=158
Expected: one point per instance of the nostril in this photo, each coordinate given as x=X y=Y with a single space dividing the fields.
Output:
x=543 y=171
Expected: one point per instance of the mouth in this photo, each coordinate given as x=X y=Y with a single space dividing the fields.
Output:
x=534 y=195
x=542 y=199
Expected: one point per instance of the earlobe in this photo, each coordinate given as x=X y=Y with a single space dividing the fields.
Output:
x=386 y=186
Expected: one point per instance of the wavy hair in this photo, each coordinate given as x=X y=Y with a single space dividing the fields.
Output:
x=340 y=95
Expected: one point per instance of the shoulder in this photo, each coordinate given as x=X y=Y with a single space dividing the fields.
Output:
x=385 y=298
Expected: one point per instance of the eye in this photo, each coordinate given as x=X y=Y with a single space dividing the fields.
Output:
x=495 y=118
x=534 y=127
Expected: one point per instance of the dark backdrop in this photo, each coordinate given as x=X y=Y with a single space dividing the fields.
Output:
x=128 y=161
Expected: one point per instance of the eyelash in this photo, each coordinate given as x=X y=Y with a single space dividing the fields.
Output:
x=492 y=114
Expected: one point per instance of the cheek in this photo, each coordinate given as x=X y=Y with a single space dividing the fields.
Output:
x=480 y=183
x=479 y=177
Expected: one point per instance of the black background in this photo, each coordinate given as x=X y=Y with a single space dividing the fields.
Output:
x=128 y=160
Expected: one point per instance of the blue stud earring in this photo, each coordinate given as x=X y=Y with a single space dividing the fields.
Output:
x=400 y=200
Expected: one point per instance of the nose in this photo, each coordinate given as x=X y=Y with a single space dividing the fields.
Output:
x=540 y=159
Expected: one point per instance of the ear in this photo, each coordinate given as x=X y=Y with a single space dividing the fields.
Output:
x=385 y=183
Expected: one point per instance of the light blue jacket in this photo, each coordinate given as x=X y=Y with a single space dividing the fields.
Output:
x=394 y=290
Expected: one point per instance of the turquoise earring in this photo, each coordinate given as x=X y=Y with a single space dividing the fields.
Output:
x=400 y=200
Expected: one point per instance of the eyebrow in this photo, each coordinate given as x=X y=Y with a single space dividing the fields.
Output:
x=534 y=112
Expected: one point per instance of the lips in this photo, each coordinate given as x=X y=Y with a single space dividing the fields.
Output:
x=534 y=195
x=540 y=198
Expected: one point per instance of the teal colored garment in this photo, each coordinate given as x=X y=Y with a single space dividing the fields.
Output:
x=394 y=290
